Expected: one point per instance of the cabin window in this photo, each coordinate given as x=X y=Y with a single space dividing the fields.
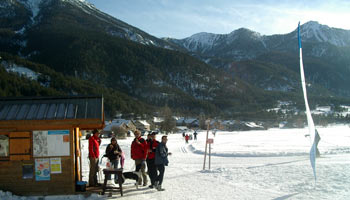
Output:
x=4 y=147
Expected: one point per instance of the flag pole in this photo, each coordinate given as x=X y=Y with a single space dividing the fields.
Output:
x=206 y=142
x=312 y=130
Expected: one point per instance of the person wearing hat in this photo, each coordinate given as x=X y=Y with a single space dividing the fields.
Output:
x=152 y=170
x=139 y=150
x=94 y=153
x=113 y=153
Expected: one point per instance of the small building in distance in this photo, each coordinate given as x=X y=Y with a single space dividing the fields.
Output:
x=142 y=125
x=115 y=124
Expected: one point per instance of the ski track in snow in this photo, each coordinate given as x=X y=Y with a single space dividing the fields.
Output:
x=183 y=149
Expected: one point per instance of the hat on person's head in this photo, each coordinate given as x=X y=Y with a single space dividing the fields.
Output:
x=153 y=133
x=113 y=139
x=95 y=131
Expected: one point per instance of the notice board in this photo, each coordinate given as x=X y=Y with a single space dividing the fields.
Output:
x=51 y=143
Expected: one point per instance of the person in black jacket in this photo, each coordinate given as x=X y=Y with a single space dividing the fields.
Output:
x=161 y=160
x=195 y=135
x=113 y=153
x=152 y=169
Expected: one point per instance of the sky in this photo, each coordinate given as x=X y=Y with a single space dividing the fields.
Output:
x=183 y=18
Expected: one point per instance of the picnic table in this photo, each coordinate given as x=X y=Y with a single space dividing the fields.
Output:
x=119 y=173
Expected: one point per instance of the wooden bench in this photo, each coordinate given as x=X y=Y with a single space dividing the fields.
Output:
x=119 y=173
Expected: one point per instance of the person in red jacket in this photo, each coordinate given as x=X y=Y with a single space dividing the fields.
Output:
x=94 y=153
x=187 y=138
x=152 y=170
x=139 y=150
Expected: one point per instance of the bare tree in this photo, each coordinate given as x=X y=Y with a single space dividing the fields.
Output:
x=169 y=122
x=202 y=124
x=119 y=131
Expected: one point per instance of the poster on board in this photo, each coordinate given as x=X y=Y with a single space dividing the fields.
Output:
x=58 y=143
x=55 y=165
x=4 y=145
x=27 y=171
x=51 y=143
x=40 y=143
x=42 y=169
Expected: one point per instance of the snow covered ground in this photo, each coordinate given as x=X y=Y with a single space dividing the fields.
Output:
x=272 y=164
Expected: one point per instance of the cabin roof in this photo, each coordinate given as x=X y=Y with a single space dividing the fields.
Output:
x=51 y=108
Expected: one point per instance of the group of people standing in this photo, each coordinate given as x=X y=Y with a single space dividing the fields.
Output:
x=152 y=153
x=189 y=137
x=148 y=152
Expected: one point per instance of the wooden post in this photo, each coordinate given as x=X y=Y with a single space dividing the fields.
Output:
x=209 y=154
x=81 y=164
x=206 y=143
x=72 y=159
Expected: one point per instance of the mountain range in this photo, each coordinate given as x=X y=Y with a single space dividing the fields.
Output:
x=243 y=71
x=325 y=50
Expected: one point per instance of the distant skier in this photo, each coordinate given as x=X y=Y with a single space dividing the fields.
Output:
x=187 y=138
x=195 y=135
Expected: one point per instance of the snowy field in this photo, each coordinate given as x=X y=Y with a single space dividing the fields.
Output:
x=272 y=164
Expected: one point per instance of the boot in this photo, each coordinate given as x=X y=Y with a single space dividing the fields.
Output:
x=155 y=184
x=159 y=188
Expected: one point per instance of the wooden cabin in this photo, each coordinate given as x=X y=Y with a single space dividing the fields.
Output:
x=40 y=144
x=142 y=125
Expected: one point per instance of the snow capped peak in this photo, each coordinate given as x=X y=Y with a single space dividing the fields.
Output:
x=79 y=1
x=207 y=42
x=200 y=41
x=83 y=4
x=314 y=31
x=202 y=34
x=314 y=27
x=203 y=37
x=245 y=31
x=76 y=1
x=241 y=30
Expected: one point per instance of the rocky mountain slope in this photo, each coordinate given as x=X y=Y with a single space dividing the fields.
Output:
x=73 y=39
x=325 y=50
x=77 y=40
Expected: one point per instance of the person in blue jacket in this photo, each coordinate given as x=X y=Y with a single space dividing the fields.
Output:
x=161 y=160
